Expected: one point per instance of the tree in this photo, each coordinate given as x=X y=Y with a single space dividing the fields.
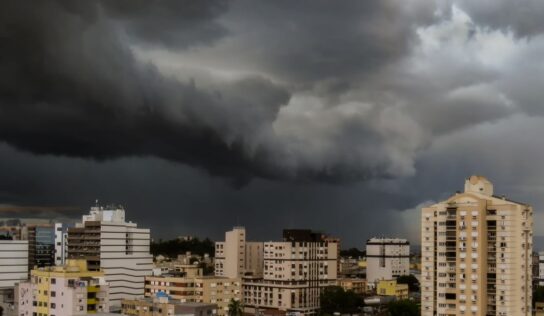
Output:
x=235 y=308
x=538 y=294
x=403 y=308
x=336 y=299
x=352 y=252
x=411 y=280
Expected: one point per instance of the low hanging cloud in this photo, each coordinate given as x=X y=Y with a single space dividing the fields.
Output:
x=245 y=89
x=71 y=85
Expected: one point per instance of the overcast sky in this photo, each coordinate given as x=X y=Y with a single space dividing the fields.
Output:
x=341 y=116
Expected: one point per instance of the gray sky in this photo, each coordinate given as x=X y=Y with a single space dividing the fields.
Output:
x=199 y=115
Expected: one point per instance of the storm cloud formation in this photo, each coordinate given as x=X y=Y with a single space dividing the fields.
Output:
x=306 y=107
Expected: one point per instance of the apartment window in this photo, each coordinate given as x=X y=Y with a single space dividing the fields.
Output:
x=53 y=281
x=53 y=294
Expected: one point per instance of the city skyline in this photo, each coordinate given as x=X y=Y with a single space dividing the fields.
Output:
x=202 y=115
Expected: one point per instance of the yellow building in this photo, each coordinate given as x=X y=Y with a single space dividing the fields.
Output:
x=189 y=285
x=63 y=290
x=392 y=288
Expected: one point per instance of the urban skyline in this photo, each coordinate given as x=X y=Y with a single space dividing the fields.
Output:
x=269 y=113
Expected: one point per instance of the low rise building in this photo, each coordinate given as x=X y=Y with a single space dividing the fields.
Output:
x=357 y=286
x=392 y=288
x=63 y=290
x=163 y=305
x=189 y=285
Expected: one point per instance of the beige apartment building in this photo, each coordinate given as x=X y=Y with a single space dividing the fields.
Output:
x=296 y=270
x=163 y=305
x=236 y=257
x=476 y=254
x=190 y=285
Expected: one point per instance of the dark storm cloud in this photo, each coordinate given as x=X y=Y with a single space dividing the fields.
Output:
x=71 y=85
x=315 y=42
x=523 y=17
x=170 y=23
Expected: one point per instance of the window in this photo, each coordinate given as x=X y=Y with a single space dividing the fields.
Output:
x=53 y=280
x=53 y=294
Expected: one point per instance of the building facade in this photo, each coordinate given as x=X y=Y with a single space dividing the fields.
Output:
x=41 y=246
x=66 y=290
x=163 y=305
x=476 y=254
x=190 y=286
x=296 y=271
x=387 y=258
x=13 y=262
x=236 y=257
x=356 y=285
x=61 y=243
x=119 y=248
x=392 y=288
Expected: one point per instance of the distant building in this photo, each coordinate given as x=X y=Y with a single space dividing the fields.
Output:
x=41 y=246
x=13 y=269
x=163 y=305
x=539 y=308
x=13 y=262
x=387 y=258
x=296 y=270
x=189 y=285
x=357 y=286
x=392 y=288
x=476 y=254
x=540 y=275
x=108 y=242
x=67 y=290
x=236 y=257
x=61 y=243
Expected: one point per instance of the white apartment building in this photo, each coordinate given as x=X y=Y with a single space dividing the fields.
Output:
x=387 y=258
x=476 y=254
x=541 y=268
x=296 y=271
x=236 y=257
x=108 y=242
x=13 y=262
x=61 y=243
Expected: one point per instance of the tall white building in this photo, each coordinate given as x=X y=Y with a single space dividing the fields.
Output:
x=108 y=242
x=61 y=243
x=476 y=254
x=387 y=258
x=236 y=257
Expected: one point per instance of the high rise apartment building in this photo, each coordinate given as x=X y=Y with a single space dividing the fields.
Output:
x=108 y=242
x=236 y=257
x=387 y=258
x=296 y=270
x=476 y=254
